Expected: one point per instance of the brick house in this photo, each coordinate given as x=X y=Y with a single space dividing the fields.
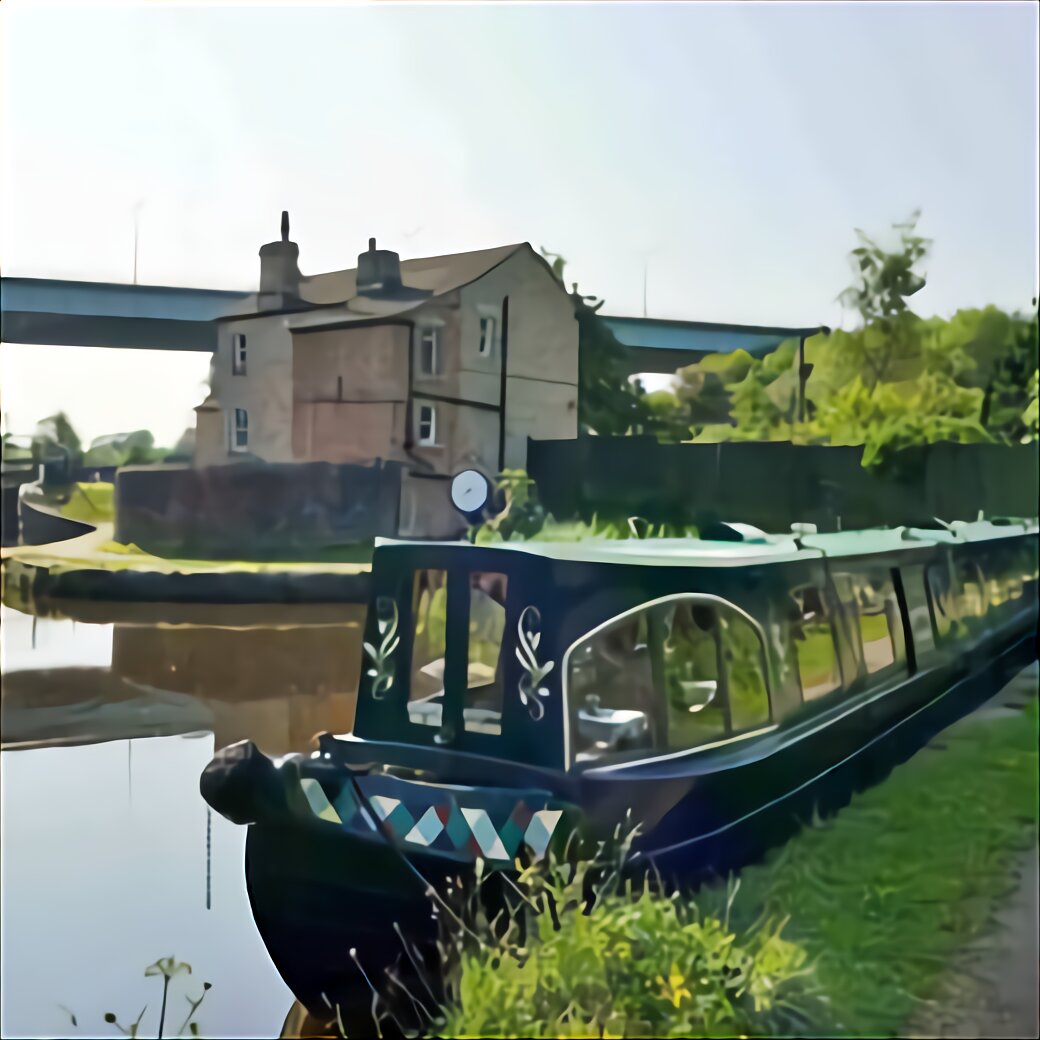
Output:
x=441 y=363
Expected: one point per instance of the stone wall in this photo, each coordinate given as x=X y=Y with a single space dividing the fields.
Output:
x=254 y=509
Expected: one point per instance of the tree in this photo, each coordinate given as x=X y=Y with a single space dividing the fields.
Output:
x=121 y=449
x=884 y=282
x=55 y=440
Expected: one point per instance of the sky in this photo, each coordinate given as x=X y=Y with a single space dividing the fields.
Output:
x=728 y=150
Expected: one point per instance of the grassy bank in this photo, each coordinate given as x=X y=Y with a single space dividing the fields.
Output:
x=884 y=895
x=89 y=503
x=98 y=551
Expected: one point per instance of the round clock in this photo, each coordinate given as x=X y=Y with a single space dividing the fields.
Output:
x=470 y=491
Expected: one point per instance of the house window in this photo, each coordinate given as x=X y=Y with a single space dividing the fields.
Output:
x=240 y=430
x=238 y=354
x=487 y=336
x=427 y=424
x=430 y=351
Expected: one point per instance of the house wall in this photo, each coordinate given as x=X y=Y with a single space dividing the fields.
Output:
x=372 y=362
x=334 y=431
x=265 y=392
x=542 y=365
x=350 y=391
x=542 y=351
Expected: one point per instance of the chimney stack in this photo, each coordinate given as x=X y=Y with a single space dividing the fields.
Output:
x=279 y=269
x=378 y=272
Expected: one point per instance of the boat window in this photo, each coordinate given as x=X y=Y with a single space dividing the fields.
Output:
x=813 y=633
x=429 y=614
x=915 y=590
x=692 y=648
x=971 y=591
x=1030 y=558
x=611 y=690
x=674 y=675
x=1006 y=576
x=482 y=712
x=746 y=671
x=713 y=673
x=944 y=602
x=876 y=603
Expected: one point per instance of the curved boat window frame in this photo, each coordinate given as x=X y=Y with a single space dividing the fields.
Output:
x=700 y=598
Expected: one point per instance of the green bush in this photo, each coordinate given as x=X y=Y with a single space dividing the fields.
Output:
x=615 y=958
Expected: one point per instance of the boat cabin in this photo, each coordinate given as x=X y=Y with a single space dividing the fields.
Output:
x=598 y=654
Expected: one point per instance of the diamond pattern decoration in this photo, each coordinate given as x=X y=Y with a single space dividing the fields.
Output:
x=446 y=825
x=540 y=830
x=488 y=841
x=392 y=812
x=347 y=805
x=512 y=831
x=318 y=801
x=426 y=831
x=455 y=826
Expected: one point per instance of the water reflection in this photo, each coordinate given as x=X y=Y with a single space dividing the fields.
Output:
x=277 y=681
x=109 y=856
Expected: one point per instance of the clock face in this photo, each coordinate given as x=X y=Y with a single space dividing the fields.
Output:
x=469 y=491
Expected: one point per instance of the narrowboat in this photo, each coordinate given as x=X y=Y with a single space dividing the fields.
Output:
x=516 y=694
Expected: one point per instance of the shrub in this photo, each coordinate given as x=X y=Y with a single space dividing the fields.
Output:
x=581 y=950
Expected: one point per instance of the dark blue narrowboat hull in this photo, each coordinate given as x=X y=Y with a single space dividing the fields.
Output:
x=319 y=892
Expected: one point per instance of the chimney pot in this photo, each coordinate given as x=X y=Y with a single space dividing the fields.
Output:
x=371 y=243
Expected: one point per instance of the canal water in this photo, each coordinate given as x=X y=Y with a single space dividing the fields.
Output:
x=109 y=857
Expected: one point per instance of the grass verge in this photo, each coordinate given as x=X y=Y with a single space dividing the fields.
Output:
x=883 y=895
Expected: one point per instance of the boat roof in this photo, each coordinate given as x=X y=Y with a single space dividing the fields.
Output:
x=760 y=549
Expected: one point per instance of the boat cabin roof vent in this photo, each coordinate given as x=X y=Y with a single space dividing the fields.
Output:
x=721 y=531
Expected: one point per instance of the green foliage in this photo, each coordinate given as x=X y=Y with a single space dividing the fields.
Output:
x=57 y=429
x=583 y=953
x=123 y=449
x=523 y=517
x=55 y=439
x=896 y=381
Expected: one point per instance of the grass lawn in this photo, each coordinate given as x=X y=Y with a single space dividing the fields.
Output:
x=884 y=894
x=91 y=503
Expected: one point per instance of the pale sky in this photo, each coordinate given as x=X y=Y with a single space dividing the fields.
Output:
x=730 y=148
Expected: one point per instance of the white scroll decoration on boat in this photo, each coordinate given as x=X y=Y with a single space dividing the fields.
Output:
x=381 y=671
x=532 y=693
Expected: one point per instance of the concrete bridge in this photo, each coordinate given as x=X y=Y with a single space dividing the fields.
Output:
x=107 y=314
x=164 y=317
